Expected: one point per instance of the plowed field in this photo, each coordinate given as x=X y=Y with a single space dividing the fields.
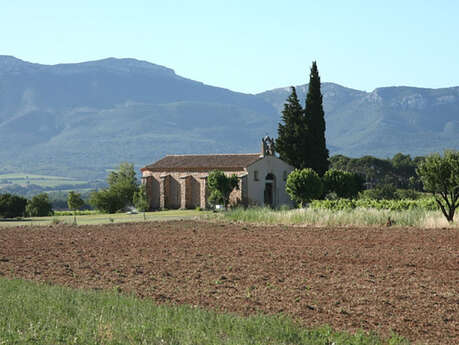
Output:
x=379 y=279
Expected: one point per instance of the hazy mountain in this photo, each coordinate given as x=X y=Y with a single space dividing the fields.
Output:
x=76 y=119
x=386 y=121
x=79 y=119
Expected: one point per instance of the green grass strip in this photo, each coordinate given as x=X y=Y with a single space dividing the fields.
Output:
x=32 y=313
x=97 y=218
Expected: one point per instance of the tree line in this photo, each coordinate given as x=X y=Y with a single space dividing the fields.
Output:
x=13 y=206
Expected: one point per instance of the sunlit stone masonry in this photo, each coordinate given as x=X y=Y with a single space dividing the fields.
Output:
x=180 y=181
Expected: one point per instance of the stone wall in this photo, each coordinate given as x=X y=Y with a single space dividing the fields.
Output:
x=164 y=183
x=186 y=196
x=175 y=193
x=154 y=200
x=195 y=192
x=173 y=190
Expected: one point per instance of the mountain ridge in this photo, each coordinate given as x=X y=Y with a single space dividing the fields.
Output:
x=80 y=119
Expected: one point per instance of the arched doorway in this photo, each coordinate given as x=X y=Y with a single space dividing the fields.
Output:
x=270 y=188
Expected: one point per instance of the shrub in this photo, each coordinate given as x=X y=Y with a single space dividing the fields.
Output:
x=385 y=191
x=389 y=192
x=304 y=185
x=407 y=194
x=345 y=184
x=426 y=204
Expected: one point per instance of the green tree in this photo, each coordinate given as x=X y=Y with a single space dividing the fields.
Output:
x=221 y=186
x=440 y=176
x=216 y=198
x=304 y=185
x=106 y=201
x=122 y=184
x=345 y=184
x=301 y=133
x=140 y=199
x=292 y=133
x=39 y=206
x=385 y=191
x=315 y=121
x=74 y=202
x=340 y=162
x=12 y=206
x=400 y=171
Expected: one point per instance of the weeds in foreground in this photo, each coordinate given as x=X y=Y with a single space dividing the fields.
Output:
x=32 y=313
x=348 y=217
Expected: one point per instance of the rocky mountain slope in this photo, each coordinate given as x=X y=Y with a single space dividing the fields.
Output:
x=386 y=121
x=80 y=119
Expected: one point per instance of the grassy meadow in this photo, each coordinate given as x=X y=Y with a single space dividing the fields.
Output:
x=347 y=217
x=33 y=313
x=94 y=218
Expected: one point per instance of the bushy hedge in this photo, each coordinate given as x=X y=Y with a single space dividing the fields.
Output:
x=427 y=204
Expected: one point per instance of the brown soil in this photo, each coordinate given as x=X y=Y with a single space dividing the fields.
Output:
x=379 y=279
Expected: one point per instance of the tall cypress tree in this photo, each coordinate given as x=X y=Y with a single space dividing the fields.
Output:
x=315 y=121
x=291 y=140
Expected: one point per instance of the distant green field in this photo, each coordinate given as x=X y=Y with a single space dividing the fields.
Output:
x=104 y=218
x=40 y=180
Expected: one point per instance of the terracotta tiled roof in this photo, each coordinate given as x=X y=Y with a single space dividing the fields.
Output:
x=204 y=162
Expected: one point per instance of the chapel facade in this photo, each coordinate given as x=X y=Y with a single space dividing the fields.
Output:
x=180 y=181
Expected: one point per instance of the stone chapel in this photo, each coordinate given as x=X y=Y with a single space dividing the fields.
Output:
x=180 y=181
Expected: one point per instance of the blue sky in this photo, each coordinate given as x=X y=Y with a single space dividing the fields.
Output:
x=248 y=46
